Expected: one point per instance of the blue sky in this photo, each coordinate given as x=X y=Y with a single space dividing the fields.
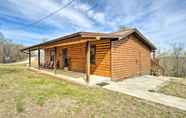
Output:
x=162 y=21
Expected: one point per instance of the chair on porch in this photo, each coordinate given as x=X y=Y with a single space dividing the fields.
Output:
x=51 y=65
x=45 y=65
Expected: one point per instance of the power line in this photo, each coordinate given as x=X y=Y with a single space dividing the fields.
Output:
x=58 y=10
x=51 y=14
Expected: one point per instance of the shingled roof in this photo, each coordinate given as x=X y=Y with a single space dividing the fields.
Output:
x=128 y=31
x=113 y=35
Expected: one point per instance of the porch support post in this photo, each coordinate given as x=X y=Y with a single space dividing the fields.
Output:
x=29 y=58
x=87 y=61
x=153 y=54
x=55 y=62
x=39 y=63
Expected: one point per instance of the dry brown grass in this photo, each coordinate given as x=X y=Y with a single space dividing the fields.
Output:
x=28 y=94
x=175 y=88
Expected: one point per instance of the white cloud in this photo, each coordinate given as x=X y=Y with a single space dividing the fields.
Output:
x=25 y=37
x=97 y=16
x=157 y=19
x=33 y=11
x=21 y=35
x=161 y=20
x=82 y=7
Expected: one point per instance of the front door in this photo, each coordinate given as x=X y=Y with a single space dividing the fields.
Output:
x=65 y=57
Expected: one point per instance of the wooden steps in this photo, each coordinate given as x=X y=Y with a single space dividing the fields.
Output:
x=156 y=69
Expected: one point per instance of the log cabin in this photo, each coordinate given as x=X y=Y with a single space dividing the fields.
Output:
x=118 y=55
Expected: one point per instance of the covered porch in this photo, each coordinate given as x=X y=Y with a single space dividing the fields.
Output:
x=51 y=60
x=77 y=67
x=74 y=77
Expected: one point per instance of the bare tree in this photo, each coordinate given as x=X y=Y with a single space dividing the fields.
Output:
x=178 y=50
x=174 y=60
x=9 y=51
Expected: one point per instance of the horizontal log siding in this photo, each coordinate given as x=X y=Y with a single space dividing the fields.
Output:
x=102 y=66
x=77 y=58
x=76 y=54
x=130 y=57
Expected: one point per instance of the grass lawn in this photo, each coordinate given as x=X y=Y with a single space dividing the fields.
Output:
x=175 y=88
x=26 y=94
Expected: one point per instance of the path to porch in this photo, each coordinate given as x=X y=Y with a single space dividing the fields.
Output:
x=74 y=77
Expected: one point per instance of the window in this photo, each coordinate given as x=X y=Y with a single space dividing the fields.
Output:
x=93 y=54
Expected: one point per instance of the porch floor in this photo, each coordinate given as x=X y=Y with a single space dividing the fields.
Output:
x=75 y=77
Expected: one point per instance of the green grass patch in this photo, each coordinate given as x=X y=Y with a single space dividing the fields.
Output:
x=175 y=88
x=62 y=99
x=40 y=100
x=40 y=87
x=19 y=104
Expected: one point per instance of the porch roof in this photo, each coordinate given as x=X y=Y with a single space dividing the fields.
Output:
x=98 y=36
